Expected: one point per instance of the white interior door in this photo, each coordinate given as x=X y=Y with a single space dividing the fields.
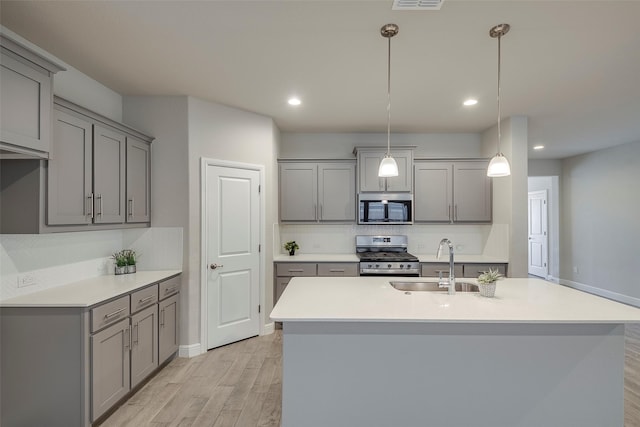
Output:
x=538 y=240
x=233 y=263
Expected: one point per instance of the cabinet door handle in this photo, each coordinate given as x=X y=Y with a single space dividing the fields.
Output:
x=115 y=313
x=127 y=341
x=169 y=290
x=320 y=216
x=146 y=299
x=135 y=341
x=456 y=213
x=162 y=317
x=336 y=270
x=295 y=270
x=99 y=198
x=450 y=218
x=90 y=197
x=131 y=206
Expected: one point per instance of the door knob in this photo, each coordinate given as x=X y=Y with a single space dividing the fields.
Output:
x=214 y=266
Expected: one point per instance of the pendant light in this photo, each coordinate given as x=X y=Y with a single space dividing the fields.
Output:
x=499 y=165
x=388 y=165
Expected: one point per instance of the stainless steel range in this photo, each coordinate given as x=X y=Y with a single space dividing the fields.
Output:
x=386 y=256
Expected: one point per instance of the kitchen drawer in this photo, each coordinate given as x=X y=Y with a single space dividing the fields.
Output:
x=433 y=269
x=338 y=269
x=144 y=298
x=170 y=286
x=109 y=313
x=474 y=270
x=296 y=269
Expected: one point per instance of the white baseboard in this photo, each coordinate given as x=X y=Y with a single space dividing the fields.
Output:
x=191 y=350
x=550 y=278
x=625 y=299
x=269 y=328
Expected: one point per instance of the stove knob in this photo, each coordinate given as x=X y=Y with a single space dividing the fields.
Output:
x=377 y=265
x=369 y=266
x=402 y=265
x=389 y=265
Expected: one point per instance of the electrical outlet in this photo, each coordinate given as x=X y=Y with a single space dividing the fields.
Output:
x=26 y=279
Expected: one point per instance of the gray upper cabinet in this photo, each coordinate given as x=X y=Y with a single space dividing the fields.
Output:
x=368 y=163
x=336 y=191
x=70 y=172
x=317 y=191
x=138 y=180
x=26 y=95
x=108 y=175
x=452 y=192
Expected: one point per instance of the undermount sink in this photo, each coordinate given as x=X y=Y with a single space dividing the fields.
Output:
x=433 y=287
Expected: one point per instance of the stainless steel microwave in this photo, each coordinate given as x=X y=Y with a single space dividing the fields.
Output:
x=385 y=208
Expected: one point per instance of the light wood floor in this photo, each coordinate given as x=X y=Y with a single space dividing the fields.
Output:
x=241 y=385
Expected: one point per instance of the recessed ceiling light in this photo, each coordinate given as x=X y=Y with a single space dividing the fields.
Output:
x=538 y=147
x=294 y=101
x=469 y=102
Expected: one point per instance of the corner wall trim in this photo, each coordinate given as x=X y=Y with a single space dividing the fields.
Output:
x=191 y=350
x=625 y=299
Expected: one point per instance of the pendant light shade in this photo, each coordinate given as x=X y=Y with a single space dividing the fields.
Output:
x=388 y=166
x=499 y=165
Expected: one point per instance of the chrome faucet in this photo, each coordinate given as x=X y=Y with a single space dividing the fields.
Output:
x=444 y=283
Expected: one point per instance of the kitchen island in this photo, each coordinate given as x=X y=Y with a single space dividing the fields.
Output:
x=357 y=352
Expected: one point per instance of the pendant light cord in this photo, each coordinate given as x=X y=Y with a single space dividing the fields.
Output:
x=499 y=106
x=389 y=101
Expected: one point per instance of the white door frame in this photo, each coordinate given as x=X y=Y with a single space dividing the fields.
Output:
x=204 y=315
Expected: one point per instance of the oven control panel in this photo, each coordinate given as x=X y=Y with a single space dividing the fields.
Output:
x=389 y=268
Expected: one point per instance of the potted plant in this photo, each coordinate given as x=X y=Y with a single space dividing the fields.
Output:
x=291 y=247
x=130 y=255
x=487 y=282
x=120 y=262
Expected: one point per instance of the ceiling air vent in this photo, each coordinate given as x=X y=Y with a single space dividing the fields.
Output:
x=417 y=4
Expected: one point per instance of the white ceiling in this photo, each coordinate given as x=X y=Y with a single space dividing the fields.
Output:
x=572 y=67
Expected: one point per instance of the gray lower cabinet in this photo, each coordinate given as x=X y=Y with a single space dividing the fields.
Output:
x=168 y=329
x=317 y=191
x=471 y=270
x=26 y=93
x=452 y=192
x=110 y=367
x=68 y=366
x=284 y=271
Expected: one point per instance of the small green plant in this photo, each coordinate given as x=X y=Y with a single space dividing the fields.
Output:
x=489 y=276
x=120 y=259
x=131 y=256
x=291 y=246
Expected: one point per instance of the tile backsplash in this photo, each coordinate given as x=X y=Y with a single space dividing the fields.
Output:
x=48 y=260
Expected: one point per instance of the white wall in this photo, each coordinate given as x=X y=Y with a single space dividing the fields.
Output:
x=600 y=222
x=224 y=133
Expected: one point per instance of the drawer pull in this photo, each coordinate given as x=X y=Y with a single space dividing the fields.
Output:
x=295 y=270
x=146 y=299
x=115 y=313
x=336 y=270
x=169 y=290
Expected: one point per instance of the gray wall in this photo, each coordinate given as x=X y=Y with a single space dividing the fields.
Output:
x=600 y=222
x=545 y=167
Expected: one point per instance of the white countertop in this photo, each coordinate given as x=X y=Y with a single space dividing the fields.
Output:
x=354 y=258
x=88 y=292
x=372 y=299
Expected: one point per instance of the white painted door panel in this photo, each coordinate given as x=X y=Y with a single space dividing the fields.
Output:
x=538 y=242
x=233 y=230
